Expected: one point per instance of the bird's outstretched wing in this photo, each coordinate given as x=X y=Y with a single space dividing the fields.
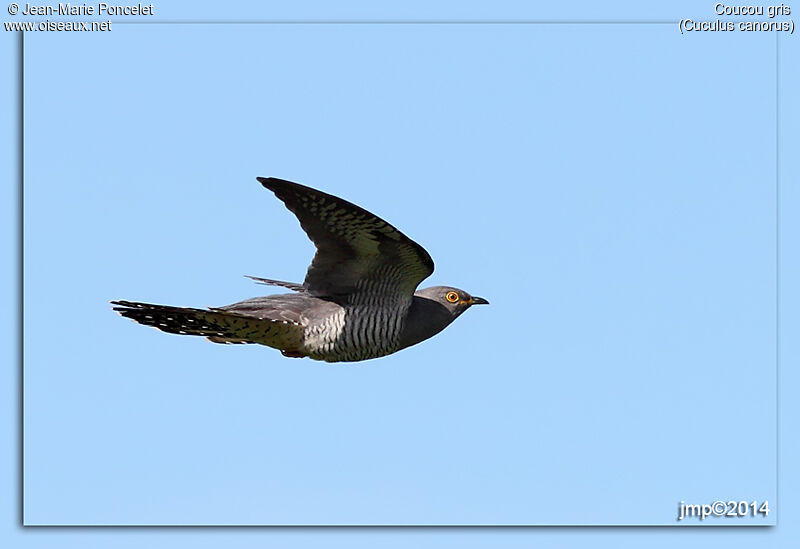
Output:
x=360 y=257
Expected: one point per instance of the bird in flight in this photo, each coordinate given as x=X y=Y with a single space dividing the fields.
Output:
x=359 y=299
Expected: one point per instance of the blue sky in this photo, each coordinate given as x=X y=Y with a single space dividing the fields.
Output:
x=609 y=188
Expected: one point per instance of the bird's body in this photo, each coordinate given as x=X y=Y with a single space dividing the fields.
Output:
x=358 y=300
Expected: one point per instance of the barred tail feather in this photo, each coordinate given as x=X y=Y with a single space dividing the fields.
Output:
x=181 y=320
x=215 y=325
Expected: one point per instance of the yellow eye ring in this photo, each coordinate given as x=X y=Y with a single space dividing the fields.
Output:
x=452 y=297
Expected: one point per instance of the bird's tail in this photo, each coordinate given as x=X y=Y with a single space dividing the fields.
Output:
x=219 y=327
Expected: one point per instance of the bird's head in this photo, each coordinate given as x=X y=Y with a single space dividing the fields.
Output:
x=432 y=310
x=454 y=300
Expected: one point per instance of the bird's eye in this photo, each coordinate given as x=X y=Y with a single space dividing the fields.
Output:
x=452 y=297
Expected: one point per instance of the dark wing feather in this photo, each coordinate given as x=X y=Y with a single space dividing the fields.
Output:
x=270 y=282
x=357 y=252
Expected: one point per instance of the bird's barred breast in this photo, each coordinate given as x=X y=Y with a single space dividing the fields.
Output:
x=358 y=332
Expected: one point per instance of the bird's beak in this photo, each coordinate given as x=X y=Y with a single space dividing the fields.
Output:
x=478 y=301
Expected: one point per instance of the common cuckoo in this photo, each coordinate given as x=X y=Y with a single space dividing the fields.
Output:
x=358 y=301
